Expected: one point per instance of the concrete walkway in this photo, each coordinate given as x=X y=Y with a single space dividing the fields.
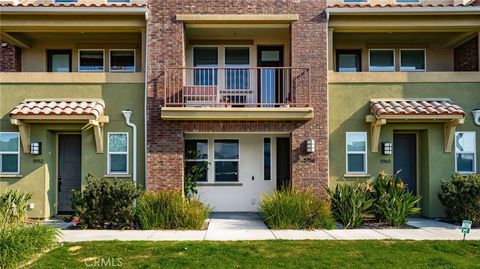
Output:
x=249 y=226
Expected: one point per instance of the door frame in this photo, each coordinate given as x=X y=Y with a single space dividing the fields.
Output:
x=57 y=155
x=417 y=156
x=259 y=47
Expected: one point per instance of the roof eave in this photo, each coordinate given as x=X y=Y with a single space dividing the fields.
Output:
x=403 y=10
x=74 y=10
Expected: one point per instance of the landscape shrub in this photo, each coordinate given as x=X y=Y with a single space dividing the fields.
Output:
x=20 y=243
x=350 y=204
x=170 y=210
x=105 y=204
x=14 y=206
x=393 y=202
x=461 y=197
x=291 y=209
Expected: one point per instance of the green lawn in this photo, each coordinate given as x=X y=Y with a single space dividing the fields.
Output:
x=265 y=254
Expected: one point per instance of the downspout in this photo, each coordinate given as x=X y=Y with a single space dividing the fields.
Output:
x=145 y=115
x=128 y=114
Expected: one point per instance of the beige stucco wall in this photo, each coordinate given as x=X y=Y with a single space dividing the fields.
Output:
x=259 y=36
x=437 y=57
x=34 y=59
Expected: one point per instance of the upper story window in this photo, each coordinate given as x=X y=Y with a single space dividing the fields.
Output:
x=59 y=60
x=412 y=60
x=355 y=1
x=66 y=1
x=118 y=1
x=91 y=60
x=206 y=58
x=381 y=60
x=236 y=61
x=407 y=1
x=122 y=60
x=465 y=152
x=349 y=61
x=9 y=153
x=356 y=152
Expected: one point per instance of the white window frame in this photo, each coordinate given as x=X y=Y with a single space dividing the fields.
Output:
x=11 y=152
x=91 y=71
x=369 y=63
x=424 y=60
x=118 y=2
x=226 y=160
x=365 y=153
x=200 y=160
x=408 y=2
x=109 y=172
x=468 y=152
x=122 y=71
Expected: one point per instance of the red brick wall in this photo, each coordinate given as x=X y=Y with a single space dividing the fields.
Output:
x=466 y=56
x=10 y=58
x=166 y=48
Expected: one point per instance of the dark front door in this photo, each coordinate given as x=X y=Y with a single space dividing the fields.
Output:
x=59 y=60
x=69 y=169
x=270 y=80
x=405 y=159
x=283 y=162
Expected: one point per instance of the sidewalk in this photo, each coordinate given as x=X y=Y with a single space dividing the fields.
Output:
x=249 y=226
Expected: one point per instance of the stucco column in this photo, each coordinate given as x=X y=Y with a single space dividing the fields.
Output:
x=330 y=50
x=144 y=41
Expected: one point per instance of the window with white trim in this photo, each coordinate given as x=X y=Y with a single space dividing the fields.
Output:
x=91 y=60
x=122 y=60
x=9 y=153
x=356 y=148
x=196 y=155
x=465 y=152
x=412 y=60
x=381 y=60
x=117 y=153
x=226 y=158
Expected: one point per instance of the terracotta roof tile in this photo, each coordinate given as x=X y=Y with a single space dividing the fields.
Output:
x=393 y=5
x=71 y=5
x=60 y=107
x=414 y=107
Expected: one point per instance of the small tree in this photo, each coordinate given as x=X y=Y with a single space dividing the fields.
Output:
x=193 y=174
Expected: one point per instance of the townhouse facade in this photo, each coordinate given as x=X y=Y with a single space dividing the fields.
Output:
x=261 y=94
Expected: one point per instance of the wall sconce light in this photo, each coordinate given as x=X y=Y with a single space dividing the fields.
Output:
x=387 y=148
x=476 y=116
x=310 y=146
x=36 y=148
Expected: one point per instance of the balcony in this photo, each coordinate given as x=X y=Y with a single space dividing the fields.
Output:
x=237 y=93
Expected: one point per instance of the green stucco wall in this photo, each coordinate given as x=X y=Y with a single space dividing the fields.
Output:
x=348 y=106
x=38 y=173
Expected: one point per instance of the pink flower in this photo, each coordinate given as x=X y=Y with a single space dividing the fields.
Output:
x=75 y=220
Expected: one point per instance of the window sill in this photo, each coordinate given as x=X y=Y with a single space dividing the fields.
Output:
x=218 y=184
x=117 y=175
x=11 y=175
x=356 y=175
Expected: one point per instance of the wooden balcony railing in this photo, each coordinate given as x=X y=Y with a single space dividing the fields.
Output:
x=263 y=87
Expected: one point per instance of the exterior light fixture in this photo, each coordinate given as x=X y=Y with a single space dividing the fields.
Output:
x=36 y=148
x=476 y=116
x=310 y=146
x=387 y=148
